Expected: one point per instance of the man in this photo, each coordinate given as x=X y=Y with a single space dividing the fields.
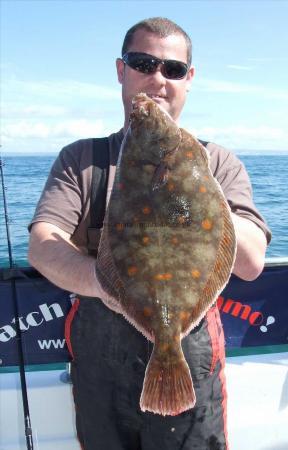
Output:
x=109 y=355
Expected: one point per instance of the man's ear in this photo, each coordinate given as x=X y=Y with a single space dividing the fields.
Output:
x=120 y=69
x=190 y=76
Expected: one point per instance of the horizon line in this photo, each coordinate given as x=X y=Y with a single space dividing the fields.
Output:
x=237 y=151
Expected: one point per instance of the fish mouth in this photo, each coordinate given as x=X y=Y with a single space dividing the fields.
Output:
x=141 y=105
x=141 y=99
x=161 y=100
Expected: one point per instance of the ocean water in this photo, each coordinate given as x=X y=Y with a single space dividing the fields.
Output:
x=25 y=177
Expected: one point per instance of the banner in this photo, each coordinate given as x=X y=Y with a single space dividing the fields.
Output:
x=42 y=310
x=253 y=314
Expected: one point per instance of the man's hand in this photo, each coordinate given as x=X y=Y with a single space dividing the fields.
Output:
x=251 y=248
x=53 y=254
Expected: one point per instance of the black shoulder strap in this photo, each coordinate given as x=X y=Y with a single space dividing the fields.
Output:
x=205 y=143
x=100 y=173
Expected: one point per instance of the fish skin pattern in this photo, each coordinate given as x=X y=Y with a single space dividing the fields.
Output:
x=167 y=247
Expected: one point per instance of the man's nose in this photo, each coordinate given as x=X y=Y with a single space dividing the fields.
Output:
x=158 y=75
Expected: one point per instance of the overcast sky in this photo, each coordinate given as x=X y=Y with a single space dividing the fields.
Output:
x=59 y=84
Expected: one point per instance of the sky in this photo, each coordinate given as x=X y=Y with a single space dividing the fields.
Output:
x=59 y=83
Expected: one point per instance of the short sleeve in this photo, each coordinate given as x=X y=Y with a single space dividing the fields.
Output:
x=61 y=200
x=233 y=178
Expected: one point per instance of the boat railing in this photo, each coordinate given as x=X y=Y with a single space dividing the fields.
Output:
x=276 y=261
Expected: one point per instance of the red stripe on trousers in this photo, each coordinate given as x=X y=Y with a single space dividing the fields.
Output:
x=215 y=330
x=214 y=336
x=68 y=323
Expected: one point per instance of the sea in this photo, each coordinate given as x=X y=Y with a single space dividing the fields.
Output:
x=25 y=175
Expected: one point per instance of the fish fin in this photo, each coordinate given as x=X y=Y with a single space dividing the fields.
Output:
x=196 y=145
x=160 y=176
x=136 y=322
x=204 y=153
x=226 y=254
x=168 y=388
x=223 y=266
x=107 y=274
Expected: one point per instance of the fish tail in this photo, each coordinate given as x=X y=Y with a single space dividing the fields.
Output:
x=168 y=387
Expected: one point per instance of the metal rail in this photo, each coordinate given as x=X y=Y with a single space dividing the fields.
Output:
x=276 y=261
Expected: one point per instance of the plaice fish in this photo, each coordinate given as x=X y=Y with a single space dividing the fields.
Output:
x=167 y=247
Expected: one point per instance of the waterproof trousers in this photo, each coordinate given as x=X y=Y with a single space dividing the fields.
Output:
x=108 y=368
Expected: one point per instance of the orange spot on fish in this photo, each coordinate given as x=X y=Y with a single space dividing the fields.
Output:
x=158 y=277
x=177 y=338
x=202 y=189
x=163 y=276
x=206 y=224
x=132 y=270
x=170 y=187
x=206 y=178
x=175 y=240
x=195 y=273
x=146 y=210
x=168 y=276
x=147 y=311
x=145 y=240
x=120 y=226
x=189 y=155
x=184 y=315
x=181 y=219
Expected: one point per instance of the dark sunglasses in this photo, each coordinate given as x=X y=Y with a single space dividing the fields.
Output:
x=144 y=63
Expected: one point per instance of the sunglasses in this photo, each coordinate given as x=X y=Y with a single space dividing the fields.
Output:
x=144 y=63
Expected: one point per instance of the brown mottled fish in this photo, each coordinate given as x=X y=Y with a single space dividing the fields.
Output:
x=167 y=247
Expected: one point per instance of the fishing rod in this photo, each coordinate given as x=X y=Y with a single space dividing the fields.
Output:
x=13 y=275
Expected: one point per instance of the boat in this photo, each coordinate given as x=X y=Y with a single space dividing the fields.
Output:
x=255 y=320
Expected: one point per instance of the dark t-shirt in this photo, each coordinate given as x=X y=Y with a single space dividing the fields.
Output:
x=65 y=200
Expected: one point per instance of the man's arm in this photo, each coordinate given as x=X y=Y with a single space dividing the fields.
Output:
x=251 y=248
x=53 y=254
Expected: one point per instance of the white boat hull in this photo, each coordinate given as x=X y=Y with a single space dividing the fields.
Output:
x=257 y=406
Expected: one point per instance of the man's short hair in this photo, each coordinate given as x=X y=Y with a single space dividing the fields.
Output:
x=162 y=27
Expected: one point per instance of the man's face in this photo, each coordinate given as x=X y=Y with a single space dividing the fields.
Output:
x=170 y=94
